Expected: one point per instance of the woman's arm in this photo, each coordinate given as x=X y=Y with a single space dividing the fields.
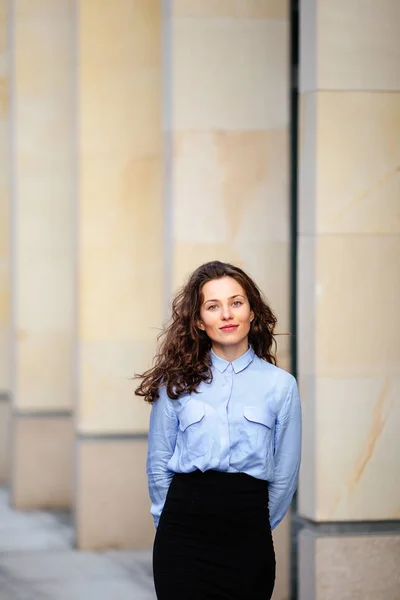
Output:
x=162 y=439
x=287 y=454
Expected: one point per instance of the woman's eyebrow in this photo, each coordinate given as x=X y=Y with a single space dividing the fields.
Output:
x=230 y=298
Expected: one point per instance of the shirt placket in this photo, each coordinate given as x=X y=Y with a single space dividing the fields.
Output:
x=225 y=437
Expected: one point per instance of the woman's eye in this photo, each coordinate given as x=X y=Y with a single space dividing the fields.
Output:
x=237 y=303
x=212 y=307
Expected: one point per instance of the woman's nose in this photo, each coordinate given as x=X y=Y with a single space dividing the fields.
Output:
x=226 y=313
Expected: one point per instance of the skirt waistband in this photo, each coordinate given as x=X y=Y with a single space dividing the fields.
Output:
x=227 y=481
x=217 y=491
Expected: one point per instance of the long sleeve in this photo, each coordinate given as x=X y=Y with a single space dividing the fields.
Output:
x=162 y=439
x=287 y=456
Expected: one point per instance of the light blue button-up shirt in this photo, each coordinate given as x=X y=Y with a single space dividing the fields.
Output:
x=247 y=420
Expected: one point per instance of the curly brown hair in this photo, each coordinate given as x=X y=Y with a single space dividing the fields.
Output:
x=183 y=358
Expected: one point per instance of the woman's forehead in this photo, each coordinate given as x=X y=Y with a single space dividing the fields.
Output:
x=219 y=289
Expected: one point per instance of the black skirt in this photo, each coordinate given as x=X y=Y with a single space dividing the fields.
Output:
x=214 y=541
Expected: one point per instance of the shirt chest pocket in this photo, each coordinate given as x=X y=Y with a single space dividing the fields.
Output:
x=193 y=430
x=258 y=426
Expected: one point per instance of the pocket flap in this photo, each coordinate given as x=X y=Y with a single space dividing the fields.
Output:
x=259 y=414
x=192 y=413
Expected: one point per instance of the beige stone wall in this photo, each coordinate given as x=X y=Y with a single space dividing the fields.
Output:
x=349 y=273
x=358 y=567
x=349 y=265
x=119 y=212
x=42 y=203
x=4 y=200
x=42 y=188
x=228 y=127
x=120 y=262
x=4 y=246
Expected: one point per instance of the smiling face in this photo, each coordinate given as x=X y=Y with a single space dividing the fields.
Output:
x=225 y=316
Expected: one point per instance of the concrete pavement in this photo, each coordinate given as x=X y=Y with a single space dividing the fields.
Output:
x=38 y=562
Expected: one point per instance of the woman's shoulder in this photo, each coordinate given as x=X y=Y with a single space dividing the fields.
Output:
x=163 y=404
x=163 y=397
x=280 y=377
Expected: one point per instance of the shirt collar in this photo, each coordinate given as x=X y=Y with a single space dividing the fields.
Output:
x=238 y=365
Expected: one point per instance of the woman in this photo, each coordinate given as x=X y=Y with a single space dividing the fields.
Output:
x=224 y=441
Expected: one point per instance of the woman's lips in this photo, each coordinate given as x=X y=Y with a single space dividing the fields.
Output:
x=229 y=328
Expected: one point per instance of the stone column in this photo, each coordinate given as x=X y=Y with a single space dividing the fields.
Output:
x=120 y=289
x=4 y=248
x=226 y=126
x=42 y=195
x=348 y=310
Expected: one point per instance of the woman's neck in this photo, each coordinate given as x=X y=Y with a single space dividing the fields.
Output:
x=231 y=353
